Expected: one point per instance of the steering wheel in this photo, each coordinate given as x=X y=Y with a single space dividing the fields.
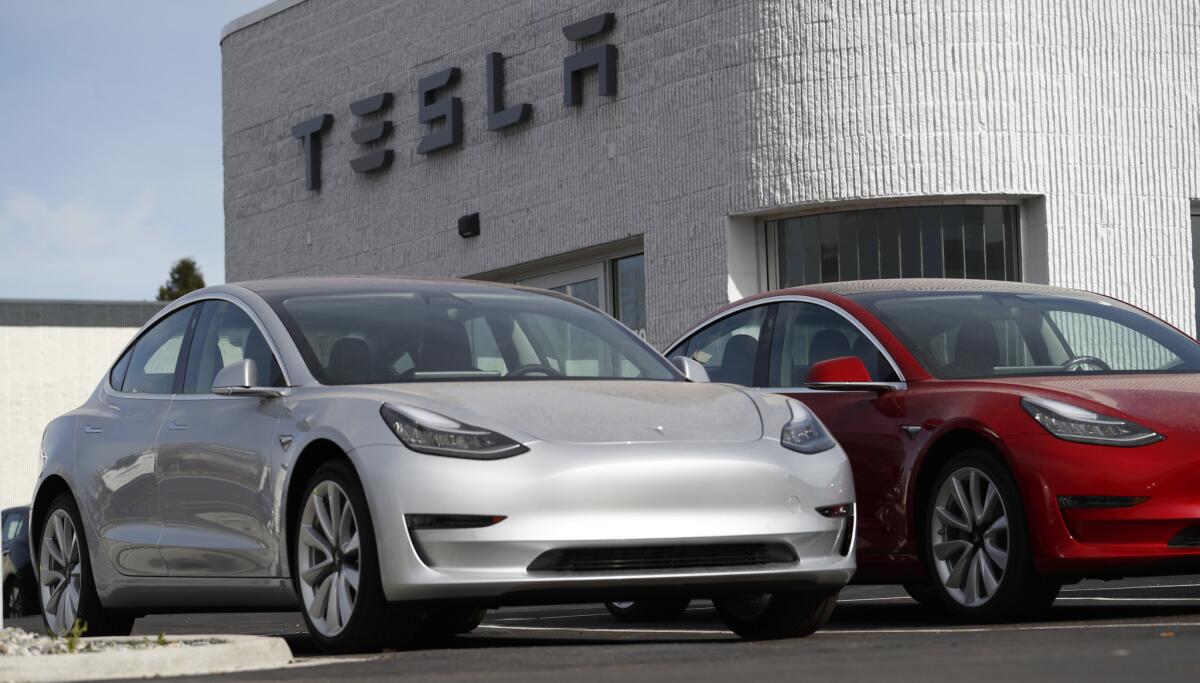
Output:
x=533 y=368
x=1078 y=362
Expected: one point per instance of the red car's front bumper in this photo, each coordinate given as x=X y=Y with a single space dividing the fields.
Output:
x=1147 y=538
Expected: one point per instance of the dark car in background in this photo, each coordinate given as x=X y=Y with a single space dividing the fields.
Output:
x=20 y=588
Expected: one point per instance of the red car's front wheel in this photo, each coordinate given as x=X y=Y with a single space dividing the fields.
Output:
x=977 y=545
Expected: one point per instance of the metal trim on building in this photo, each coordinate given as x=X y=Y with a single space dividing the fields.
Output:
x=251 y=18
x=76 y=313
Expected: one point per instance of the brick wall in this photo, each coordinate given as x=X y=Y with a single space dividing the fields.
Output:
x=724 y=108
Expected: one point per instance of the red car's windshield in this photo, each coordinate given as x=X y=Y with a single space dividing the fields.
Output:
x=961 y=335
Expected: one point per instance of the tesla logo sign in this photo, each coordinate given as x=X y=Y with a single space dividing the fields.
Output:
x=442 y=111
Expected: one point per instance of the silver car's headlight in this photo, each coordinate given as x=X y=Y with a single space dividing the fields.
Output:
x=425 y=431
x=1072 y=423
x=804 y=432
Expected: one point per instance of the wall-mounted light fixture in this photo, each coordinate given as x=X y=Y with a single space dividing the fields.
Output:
x=468 y=225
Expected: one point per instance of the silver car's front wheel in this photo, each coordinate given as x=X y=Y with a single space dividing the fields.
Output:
x=60 y=572
x=969 y=529
x=336 y=567
x=328 y=558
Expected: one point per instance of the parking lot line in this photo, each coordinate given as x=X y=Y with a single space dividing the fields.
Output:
x=865 y=631
x=1000 y=628
x=1130 y=588
x=588 y=629
x=1102 y=598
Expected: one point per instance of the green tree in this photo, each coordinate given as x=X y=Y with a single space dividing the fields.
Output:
x=185 y=277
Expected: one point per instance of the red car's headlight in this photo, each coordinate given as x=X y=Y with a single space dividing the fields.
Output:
x=1072 y=423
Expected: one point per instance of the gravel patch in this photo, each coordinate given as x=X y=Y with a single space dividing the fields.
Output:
x=15 y=642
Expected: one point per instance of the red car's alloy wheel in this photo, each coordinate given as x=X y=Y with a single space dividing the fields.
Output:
x=970 y=536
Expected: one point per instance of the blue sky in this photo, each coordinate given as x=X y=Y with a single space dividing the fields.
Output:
x=110 y=140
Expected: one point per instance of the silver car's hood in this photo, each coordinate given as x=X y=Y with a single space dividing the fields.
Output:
x=595 y=411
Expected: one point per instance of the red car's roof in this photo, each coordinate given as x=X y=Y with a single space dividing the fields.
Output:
x=852 y=287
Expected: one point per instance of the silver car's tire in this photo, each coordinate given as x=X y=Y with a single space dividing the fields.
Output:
x=336 y=568
x=65 y=587
x=777 y=615
x=642 y=611
x=446 y=622
x=977 y=547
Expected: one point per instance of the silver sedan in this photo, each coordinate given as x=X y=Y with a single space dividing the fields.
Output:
x=396 y=456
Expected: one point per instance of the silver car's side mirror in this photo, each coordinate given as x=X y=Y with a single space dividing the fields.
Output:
x=241 y=379
x=690 y=368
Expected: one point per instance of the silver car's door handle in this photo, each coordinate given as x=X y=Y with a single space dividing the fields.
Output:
x=90 y=429
x=175 y=426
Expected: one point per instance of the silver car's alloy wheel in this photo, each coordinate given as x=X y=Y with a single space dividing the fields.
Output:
x=60 y=572
x=328 y=558
x=969 y=529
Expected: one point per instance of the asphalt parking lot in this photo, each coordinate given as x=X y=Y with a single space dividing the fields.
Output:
x=1147 y=629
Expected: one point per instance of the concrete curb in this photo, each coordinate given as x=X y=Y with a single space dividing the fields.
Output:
x=227 y=654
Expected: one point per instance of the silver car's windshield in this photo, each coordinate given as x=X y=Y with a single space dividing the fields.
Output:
x=467 y=333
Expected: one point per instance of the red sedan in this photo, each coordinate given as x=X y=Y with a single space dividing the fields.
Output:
x=1006 y=438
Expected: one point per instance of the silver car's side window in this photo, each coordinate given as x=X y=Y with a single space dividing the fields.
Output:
x=153 y=359
x=225 y=335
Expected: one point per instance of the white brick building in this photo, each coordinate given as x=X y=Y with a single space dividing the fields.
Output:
x=52 y=355
x=746 y=145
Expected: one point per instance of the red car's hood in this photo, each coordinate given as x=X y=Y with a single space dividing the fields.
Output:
x=1161 y=401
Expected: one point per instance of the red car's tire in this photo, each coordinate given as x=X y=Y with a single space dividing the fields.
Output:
x=977 y=546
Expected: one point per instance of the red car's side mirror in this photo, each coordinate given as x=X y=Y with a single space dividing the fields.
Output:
x=847 y=373
x=839 y=371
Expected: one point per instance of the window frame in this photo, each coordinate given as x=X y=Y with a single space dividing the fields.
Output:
x=184 y=349
x=760 y=369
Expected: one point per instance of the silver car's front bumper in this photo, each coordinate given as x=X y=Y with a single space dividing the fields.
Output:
x=606 y=496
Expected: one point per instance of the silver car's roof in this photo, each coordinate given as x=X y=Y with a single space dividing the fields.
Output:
x=369 y=283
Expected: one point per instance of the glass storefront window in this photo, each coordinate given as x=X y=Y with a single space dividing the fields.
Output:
x=629 y=292
x=960 y=241
x=587 y=291
x=615 y=285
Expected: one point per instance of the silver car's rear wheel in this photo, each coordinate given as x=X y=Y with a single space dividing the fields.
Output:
x=328 y=558
x=969 y=528
x=60 y=572
x=65 y=582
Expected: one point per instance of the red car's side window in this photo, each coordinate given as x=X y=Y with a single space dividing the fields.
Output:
x=728 y=348
x=806 y=334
